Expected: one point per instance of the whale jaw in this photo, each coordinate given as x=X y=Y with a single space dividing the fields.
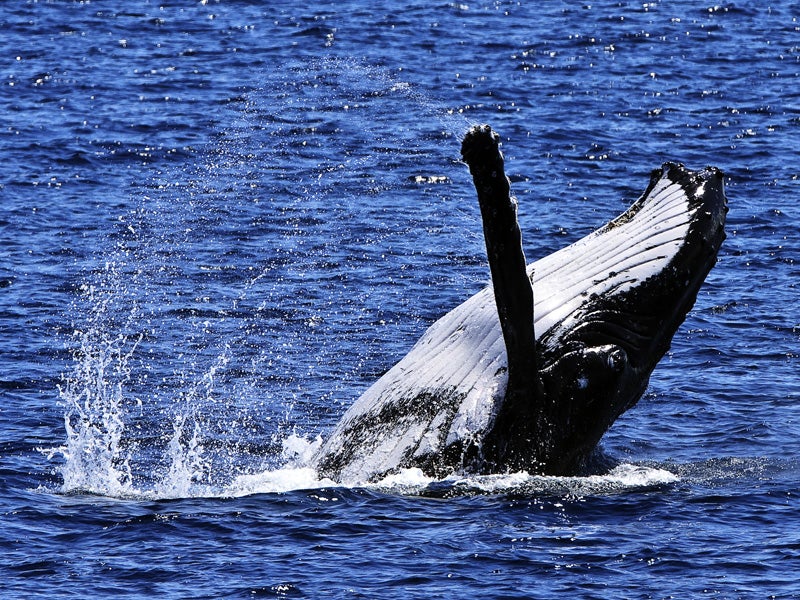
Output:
x=605 y=311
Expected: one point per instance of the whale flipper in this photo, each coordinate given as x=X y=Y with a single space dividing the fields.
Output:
x=516 y=422
x=469 y=397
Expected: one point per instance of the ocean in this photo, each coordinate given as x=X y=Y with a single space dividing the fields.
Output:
x=221 y=221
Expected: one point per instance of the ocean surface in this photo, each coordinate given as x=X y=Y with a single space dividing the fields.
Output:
x=220 y=221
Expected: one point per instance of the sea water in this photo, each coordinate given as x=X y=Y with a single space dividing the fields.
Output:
x=223 y=220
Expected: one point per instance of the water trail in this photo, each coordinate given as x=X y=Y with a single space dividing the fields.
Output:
x=236 y=308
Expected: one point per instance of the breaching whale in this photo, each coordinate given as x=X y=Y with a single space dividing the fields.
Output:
x=530 y=372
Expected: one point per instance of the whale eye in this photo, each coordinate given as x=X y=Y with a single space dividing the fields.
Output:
x=617 y=359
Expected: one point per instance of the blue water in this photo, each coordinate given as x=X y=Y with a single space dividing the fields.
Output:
x=221 y=221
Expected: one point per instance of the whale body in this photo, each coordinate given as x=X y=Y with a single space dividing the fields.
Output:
x=530 y=372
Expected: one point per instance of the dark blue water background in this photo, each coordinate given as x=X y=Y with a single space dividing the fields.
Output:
x=221 y=221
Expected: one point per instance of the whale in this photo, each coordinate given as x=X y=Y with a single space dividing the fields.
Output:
x=529 y=373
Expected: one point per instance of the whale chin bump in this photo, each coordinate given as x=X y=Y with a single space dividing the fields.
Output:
x=530 y=372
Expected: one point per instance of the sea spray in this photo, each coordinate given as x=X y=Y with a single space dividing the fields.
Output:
x=189 y=469
x=247 y=293
x=95 y=458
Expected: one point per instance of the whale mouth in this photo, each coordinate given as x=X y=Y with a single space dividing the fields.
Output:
x=632 y=282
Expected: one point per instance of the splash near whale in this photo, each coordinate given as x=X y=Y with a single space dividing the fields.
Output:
x=529 y=373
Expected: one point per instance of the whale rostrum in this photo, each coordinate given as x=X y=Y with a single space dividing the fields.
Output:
x=530 y=372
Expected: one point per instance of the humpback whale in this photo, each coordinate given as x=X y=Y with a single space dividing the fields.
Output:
x=529 y=373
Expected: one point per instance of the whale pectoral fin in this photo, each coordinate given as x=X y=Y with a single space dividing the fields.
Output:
x=510 y=279
x=513 y=431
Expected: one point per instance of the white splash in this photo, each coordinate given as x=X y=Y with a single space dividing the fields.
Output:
x=623 y=478
x=188 y=467
x=276 y=482
x=95 y=460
